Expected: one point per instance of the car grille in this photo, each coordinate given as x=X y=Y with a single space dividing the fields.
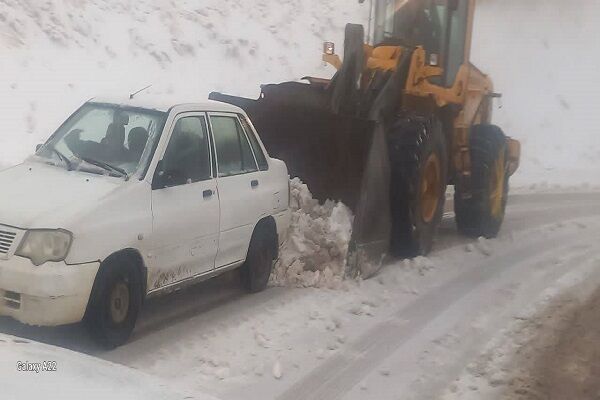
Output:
x=7 y=239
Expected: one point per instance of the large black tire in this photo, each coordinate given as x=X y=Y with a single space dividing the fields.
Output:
x=415 y=143
x=257 y=268
x=115 y=302
x=482 y=213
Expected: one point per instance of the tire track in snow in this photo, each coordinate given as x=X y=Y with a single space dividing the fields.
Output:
x=337 y=376
x=429 y=363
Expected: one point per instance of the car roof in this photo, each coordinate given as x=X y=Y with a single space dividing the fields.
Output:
x=164 y=104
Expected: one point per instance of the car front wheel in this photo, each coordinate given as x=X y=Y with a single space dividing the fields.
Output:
x=115 y=303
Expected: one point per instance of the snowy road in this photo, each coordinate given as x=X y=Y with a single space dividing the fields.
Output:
x=419 y=330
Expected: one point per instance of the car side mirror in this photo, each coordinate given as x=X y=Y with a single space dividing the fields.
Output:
x=159 y=178
x=164 y=178
x=329 y=48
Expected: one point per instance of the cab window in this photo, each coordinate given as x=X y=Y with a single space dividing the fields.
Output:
x=459 y=14
x=187 y=158
x=234 y=155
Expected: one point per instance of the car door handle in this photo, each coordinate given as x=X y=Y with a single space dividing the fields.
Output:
x=254 y=183
x=207 y=193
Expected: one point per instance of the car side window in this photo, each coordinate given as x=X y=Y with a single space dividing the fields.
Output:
x=258 y=152
x=234 y=155
x=187 y=158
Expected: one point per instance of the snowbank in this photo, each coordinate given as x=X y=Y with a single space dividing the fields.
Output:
x=315 y=252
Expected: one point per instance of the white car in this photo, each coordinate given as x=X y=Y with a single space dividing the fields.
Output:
x=132 y=199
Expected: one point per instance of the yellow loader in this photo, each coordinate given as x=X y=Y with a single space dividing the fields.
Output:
x=404 y=116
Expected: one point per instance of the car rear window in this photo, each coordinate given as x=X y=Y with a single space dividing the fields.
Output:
x=263 y=165
x=234 y=155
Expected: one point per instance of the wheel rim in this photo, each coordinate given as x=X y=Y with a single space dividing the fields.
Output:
x=119 y=302
x=497 y=182
x=430 y=188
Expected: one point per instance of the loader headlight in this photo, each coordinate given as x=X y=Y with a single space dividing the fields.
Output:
x=42 y=245
x=329 y=48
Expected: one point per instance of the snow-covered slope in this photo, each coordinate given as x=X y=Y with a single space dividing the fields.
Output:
x=543 y=57
x=57 y=54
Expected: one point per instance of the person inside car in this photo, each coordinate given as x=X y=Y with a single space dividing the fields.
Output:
x=136 y=140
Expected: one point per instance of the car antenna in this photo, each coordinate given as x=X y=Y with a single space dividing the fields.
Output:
x=132 y=95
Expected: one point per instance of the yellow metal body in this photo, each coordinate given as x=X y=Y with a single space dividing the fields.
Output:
x=430 y=188
x=471 y=94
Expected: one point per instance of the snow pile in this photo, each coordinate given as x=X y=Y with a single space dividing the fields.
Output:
x=315 y=252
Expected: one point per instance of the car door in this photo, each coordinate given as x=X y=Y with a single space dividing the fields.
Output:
x=239 y=185
x=185 y=204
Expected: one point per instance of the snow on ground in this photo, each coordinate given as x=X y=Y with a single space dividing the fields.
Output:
x=391 y=334
x=524 y=358
x=315 y=252
x=407 y=333
x=65 y=374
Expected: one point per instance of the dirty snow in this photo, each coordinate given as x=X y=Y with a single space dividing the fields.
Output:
x=515 y=363
x=314 y=254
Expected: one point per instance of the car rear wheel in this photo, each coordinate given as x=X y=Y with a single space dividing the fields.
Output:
x=115 y=303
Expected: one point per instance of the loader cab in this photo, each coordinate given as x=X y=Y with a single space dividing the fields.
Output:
x=442 y=27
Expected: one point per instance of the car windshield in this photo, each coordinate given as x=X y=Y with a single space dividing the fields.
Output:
x=105 y=138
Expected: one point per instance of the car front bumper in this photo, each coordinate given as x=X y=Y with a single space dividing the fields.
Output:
x=49 y=295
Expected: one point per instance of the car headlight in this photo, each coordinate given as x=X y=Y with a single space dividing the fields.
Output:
x=42 y=245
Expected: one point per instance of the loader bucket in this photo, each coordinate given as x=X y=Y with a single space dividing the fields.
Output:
x=340 y=158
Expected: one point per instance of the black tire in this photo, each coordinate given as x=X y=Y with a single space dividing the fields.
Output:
x=108 y=320
x=482 y=213
x=413 y=143
x=257 y=269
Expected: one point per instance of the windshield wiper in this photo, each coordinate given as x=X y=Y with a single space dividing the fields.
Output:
x=105 y=166
x=63 y=158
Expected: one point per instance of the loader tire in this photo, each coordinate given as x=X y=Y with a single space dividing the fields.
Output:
x=482 y=213
x=419 y=171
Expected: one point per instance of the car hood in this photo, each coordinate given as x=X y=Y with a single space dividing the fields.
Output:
x=37 y=195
